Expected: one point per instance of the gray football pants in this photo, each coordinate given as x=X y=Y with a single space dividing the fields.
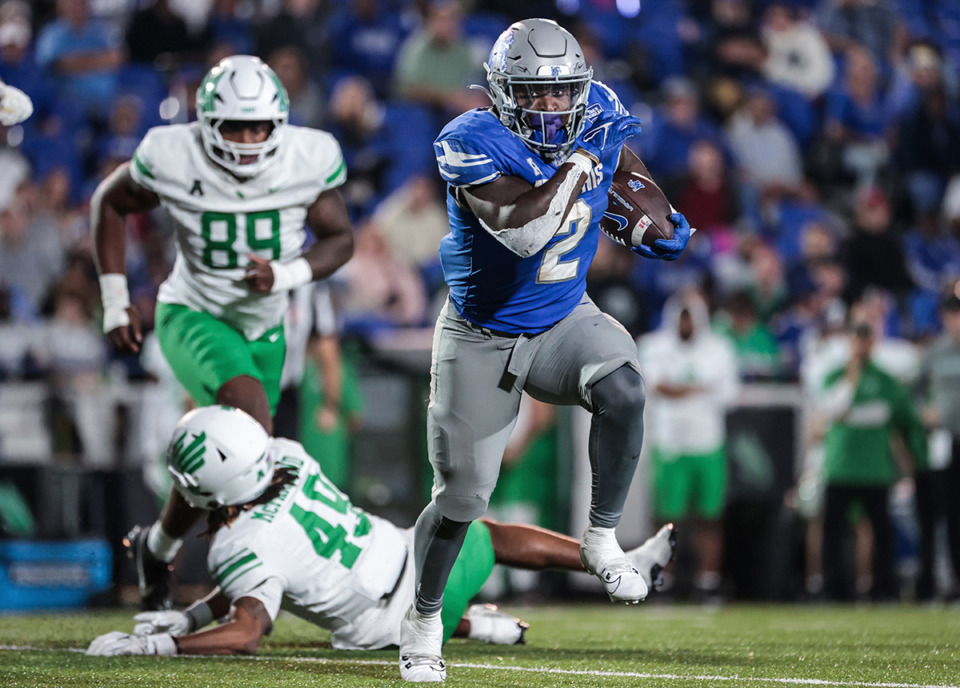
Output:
x=476 y=381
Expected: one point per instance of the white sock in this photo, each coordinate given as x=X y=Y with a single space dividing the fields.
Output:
x=161 y=545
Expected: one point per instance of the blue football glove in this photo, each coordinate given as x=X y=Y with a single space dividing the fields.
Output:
x=669 y=249
x=606 y=134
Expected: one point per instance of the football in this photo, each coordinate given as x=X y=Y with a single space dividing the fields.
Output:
x=637 y=212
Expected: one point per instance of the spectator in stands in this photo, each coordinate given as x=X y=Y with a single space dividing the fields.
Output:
x=691 y=373
x=82 y=55
x=818 y=243
x=383 y=144
x=31 y=255
x=706 y=191
x=768 y=288
x=226 y=25
x=873 y=255
x=940 y=397
x=383 y=292
x=731 y=47
x=928 y=151
x=857 y=119
x=865 y=408
x=158 y=36
x=757 y=351
x=768 y=158
x=674 y=128
x=124 y=128
x=435 y=65
x=56 y=203
x=413 y=220
x=797 y=56
x=872 y=24
x=300 y=24
x=921 y=71
x=76 y=354
x=365 y=36
x=306 y=100
x=21 y=334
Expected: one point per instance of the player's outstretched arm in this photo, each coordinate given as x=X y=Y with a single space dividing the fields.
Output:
x=116 y=197
x=329 y=221
x=249 y=622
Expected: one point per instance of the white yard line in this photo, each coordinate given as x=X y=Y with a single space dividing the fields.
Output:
x=544 y=670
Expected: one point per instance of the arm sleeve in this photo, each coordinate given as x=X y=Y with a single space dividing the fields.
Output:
x=245 y=574
x=836 y=398
x=336 y=173
x=462 y=165
x=142 y=169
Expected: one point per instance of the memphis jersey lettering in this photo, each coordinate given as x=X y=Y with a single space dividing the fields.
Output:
x=490 y=285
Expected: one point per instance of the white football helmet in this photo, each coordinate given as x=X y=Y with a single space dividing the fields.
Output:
x=537 y=56
x=241 y=88
x=219 y=456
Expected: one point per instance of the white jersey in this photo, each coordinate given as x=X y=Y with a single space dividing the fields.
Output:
x=220 y=219
x=327 y=561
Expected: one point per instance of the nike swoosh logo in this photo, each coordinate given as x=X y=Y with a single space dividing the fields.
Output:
x=274 y=189
x=274 y=337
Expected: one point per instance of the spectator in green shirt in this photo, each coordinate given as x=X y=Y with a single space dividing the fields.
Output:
x=758 y=353
x=866 y=408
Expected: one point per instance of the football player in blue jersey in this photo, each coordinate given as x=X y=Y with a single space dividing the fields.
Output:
x=527 y=185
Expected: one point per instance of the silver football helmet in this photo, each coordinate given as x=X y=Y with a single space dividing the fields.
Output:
x=533 y=58
x=219 y=456
x=241 y=88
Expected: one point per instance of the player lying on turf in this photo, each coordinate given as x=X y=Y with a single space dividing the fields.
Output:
x=281 y=533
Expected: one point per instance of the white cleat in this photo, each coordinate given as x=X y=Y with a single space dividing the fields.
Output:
x=489 y=624
x=601 y=555
x=421 y=637
x=652 y=556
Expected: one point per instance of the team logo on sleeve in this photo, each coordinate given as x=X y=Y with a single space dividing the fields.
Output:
x=635 y=184
x=593 y=112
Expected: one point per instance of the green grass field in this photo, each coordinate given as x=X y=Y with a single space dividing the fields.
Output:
x=581 y=645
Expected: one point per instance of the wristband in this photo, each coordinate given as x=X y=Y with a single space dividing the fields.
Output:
x=198 y=616
x=580 y=159
x=287 y=276
x=115 y=299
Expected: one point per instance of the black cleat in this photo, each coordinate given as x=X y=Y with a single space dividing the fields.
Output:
x=153 y=575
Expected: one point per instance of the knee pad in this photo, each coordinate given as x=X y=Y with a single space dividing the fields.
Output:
x=622 y=389
x=461 y=508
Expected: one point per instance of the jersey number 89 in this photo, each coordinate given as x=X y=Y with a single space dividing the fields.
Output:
x=262 y=230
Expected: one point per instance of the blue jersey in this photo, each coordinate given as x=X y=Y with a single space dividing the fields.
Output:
x=490 y=285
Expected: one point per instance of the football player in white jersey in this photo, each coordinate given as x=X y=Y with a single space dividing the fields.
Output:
x=283 y=536
x=240 y=184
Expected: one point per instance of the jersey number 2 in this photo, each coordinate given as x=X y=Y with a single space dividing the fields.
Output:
x=326 y=537
x=222 y=254
x=552 y=269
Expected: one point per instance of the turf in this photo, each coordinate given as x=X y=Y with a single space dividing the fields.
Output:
x=583 y=645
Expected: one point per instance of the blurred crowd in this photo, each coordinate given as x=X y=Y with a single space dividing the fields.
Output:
x=815 y=145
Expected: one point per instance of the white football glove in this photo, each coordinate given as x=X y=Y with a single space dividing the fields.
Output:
x=489 y=624
x=15 y=105
x=170 y=622
x=118 y=643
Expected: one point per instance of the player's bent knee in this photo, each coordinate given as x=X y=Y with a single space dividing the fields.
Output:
x=622 y=389
x=460 y=507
